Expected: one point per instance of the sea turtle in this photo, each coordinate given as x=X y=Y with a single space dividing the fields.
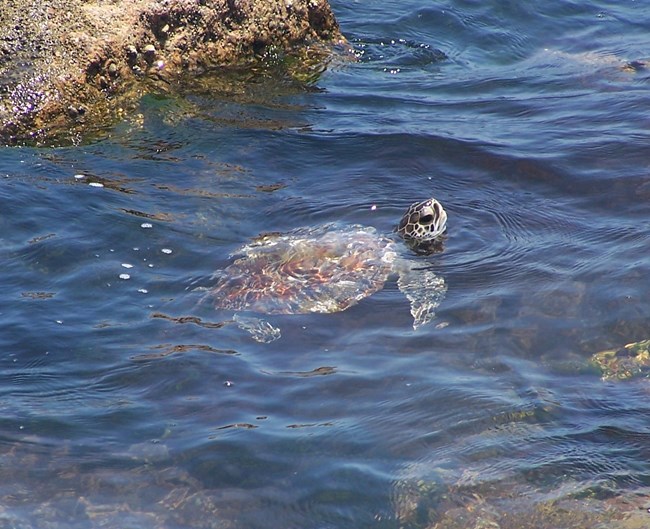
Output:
x=329 y=268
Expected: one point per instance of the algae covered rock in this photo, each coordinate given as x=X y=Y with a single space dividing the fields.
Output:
x=67 y=66
x=630 y=361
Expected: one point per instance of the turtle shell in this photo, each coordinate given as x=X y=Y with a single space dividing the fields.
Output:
x=325 y=269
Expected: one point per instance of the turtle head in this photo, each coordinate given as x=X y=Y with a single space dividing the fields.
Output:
x=423 y=222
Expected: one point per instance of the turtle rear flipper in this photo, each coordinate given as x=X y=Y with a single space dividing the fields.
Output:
x=260 y=330
x=425 y=290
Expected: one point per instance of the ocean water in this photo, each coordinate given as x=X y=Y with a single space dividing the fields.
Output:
x=127 y=400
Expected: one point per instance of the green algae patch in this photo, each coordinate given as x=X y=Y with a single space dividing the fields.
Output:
x=630 y=361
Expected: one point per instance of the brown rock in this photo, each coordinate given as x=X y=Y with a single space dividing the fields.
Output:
x=67 y=65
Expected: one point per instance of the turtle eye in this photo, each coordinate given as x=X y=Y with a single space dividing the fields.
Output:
x=426 y=219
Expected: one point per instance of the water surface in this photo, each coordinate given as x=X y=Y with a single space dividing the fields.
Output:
x=126 y=402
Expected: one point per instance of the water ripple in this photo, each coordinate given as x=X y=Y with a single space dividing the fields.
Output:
x=125 y=402
x=396 y=54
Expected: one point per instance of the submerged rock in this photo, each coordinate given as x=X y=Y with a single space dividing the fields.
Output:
x=70 y=65
x=631 y=361
x=510 y=504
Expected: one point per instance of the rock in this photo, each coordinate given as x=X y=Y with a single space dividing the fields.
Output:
x=630 y=361
x=60 y=56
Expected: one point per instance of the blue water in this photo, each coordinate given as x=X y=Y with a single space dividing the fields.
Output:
x=125 y=402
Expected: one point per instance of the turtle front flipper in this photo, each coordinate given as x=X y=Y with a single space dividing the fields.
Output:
x=424 y=289
x=260 y=330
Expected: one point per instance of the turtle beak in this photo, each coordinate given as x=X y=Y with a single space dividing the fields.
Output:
x=440 y=218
